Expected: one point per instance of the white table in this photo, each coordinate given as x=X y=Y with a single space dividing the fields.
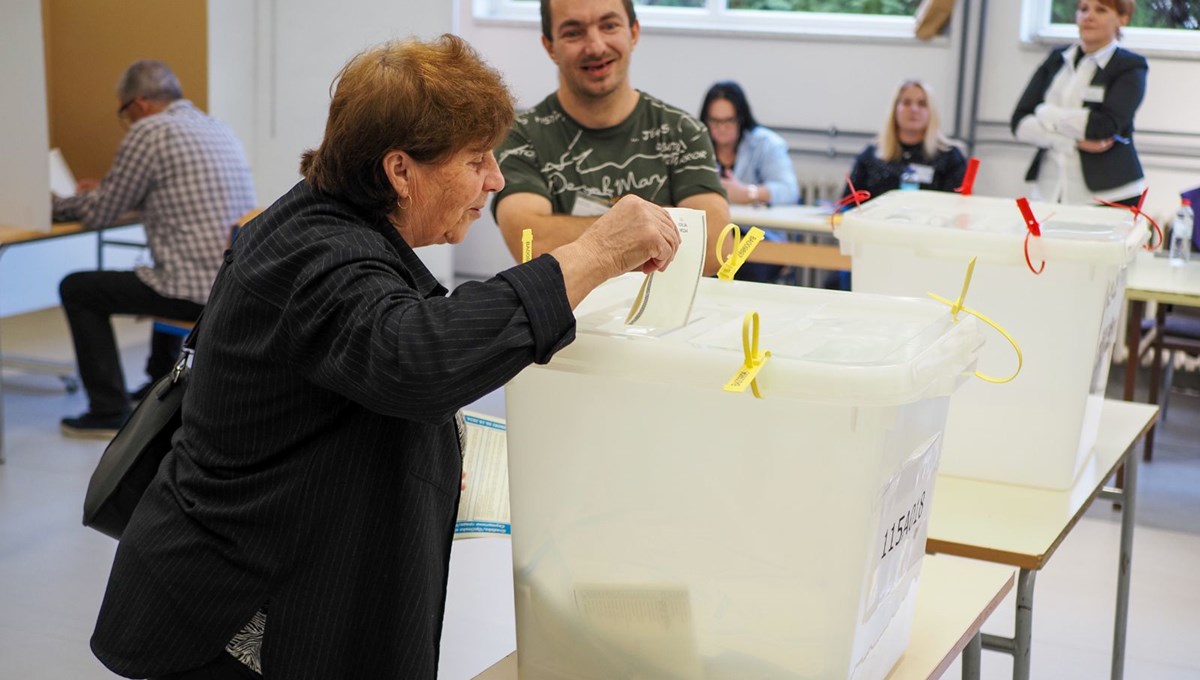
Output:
x=810 y=223
x=954 y=598
x=802 y=219
x=1155 y=278
x=1022 y=526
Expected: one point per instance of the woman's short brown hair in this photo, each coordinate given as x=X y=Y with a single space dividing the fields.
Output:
x=1124 y=8
x=428 y=99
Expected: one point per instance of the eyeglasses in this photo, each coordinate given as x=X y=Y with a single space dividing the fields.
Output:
x=722 y=122
x=121 y=112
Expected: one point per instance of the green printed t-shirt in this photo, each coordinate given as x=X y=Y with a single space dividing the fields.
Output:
x=659 y=153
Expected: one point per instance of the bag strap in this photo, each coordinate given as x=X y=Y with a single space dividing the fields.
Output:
x=189 y=343
x=189 y=349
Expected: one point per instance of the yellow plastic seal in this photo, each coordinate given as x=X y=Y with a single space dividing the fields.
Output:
x=754 y=360
x=957 y=306
x=526 y=245
x=742 y=247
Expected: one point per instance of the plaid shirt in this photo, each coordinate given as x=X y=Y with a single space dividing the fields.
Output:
x=186 y=173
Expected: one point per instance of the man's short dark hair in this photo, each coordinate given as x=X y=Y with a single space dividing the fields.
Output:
x=548 y=28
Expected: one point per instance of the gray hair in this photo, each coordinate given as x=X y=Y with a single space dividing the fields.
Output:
x=149 y=79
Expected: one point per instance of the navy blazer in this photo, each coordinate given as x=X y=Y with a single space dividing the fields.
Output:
x=317 y=469
x=1124 y=83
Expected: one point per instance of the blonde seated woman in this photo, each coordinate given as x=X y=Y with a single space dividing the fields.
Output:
x=911 y=152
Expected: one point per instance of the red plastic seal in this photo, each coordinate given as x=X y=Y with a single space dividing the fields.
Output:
x=968 y=183
x=1137 y=212
x=1034 y=230
x=856 y=196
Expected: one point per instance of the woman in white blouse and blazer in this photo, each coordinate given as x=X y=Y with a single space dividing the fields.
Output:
x=1078 y=110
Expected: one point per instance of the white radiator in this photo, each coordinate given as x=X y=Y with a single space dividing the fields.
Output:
x=820 y=190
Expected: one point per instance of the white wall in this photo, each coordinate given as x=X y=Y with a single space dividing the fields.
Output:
x=232 y=78
x=791 y=82
x=1172 y=99
x=271 y=64
x=810 y=83
x=29 y=277
x=25 y=135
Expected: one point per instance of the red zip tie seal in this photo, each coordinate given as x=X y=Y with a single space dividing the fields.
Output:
x=1137 y=212
x=1033 y=229
x=856 y=196
x=968 y=184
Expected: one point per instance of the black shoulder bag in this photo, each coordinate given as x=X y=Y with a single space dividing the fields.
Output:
x=133 y=456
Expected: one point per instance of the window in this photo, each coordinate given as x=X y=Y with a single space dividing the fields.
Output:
x=900 y=8
x=849 y=18
x=1152 y=14
x=1163 y=27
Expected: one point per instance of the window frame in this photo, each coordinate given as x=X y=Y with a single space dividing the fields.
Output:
x=1037 y=29
x=715 y=19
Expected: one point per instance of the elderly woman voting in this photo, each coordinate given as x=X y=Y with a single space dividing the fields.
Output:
x=301 y=526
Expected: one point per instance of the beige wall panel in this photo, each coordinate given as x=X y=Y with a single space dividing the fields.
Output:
x=88 y=45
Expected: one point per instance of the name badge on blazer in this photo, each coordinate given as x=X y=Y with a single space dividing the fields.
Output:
x=1093 y=94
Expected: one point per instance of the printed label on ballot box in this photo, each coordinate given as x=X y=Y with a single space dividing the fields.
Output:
x=903 y=522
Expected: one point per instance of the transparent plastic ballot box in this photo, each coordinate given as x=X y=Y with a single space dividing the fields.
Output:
x=1039 y=429
x=666 y=528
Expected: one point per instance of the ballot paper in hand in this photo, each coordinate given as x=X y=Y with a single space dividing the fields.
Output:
x=62 y=180
x=665 y=300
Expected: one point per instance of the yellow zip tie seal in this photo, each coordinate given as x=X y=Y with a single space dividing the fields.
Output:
x=957 y=306
x=748 y=373
x=526 y=245
x=742 y=247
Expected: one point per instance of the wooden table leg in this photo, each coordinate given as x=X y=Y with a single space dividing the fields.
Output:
x=1133 y=340
x=1160 y=318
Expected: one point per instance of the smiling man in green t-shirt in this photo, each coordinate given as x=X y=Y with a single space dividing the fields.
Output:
x=596 y=138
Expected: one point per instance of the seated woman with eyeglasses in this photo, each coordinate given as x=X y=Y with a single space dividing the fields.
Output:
x=752 y=160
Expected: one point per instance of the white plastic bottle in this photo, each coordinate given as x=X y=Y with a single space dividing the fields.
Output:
x=1181 y=234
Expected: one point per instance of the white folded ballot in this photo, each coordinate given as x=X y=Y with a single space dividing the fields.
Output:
x=665 y=299
x=62 y=180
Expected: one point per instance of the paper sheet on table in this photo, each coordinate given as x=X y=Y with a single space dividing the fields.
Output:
x=62 y=180
x=665 y=300
x=483 y=509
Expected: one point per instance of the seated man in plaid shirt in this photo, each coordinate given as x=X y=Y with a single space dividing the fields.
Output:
x=186 y=173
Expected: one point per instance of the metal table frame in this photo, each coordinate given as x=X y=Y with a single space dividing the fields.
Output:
x=973 y=503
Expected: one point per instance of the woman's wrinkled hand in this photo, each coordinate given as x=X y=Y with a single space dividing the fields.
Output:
x=634 y=235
